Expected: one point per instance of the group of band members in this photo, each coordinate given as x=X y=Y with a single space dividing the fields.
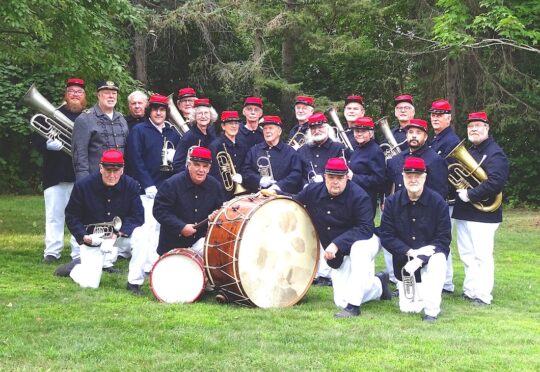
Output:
x=175 y=186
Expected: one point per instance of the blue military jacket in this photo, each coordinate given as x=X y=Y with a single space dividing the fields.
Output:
x=236 y=150
x=318 y=155
x=369 y=168
x=437 y=170
x=179 y=202
x=286 y=167
x=341 y=219
x=193 y=137
x=92 y=202
x=444 y=142
x=57 y=165
x=144 y=145
x=250 y=137
x=496 y=167
x=303 y=129
x=407 y=224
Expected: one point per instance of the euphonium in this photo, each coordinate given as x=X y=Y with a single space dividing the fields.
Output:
x=106 y=229
x=265 y=169
x=227 y=171
x=391 y=148
x=298 y=140
x=166 y=165
x=52 y=123
x=467 y=174
x=341 y=134
x=176 y=118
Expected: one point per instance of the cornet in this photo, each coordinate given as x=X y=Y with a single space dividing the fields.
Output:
x=298 y=140
x=227 y=171
x=166 y=165
x=265 y=167
x=106 y=229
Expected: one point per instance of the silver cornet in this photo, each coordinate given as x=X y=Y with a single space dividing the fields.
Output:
x=264 y=166
x=166 y=165
x=106 y=229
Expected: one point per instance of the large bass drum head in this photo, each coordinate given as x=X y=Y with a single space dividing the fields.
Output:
x=278 y=254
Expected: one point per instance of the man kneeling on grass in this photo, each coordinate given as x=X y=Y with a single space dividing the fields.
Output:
x=96 y=200
x=415 y=229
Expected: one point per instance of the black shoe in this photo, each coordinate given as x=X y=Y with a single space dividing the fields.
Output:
x=348 y=312
x=465 y=297
x=111 y=270
x=429 y=318
x=384 y=278
x=479 y=302
x=395 y=293
x=65 y=270
x=48 y=259
x=134 y=289
x=322 y=281
x=447 y=291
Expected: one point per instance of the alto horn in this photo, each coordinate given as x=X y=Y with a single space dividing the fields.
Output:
x=391 y=148
x=49 y=123
x=467 y=174
x=106 y=229
x=176 y=118
x=227 y=171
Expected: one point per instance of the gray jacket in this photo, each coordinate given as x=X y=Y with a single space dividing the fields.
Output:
x=93 y=133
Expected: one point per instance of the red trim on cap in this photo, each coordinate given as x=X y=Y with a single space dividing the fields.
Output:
x=336 y=166
x=158 y=99
x=364 y=122
x=229 y=116
x=202 y=102
x=403 y=98
x=201 y=154
x=186 y=92
x=317 y=118
x=112 y=158
x=478 y=116
x=75 y=81
x=305 y=100
x=414 y=165
x=418 y=123
x=275 y=120
x=354 y=98
x=441 y=107
x=256 y=101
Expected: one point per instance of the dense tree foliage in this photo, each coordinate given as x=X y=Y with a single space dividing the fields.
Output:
x=481 y=55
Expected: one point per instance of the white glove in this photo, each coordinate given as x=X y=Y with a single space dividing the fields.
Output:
x=274 y=187
x=150 y=192
x=350 y=174
x=96 y=239
x=317 y=178
x=54 y=145
x=266 y=181
x=427 y=250
x=169 y=156
x=462 y=193
x=237 y=177
x=413 y=265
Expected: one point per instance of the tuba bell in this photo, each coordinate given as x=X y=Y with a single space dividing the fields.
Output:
x=49 y=122
x=227 y=171
x=176 y=118
x=106 y=229
x=391 y=148
x=341 y=133
x=466 y=173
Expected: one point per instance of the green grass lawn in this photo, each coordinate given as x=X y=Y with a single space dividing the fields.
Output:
x=50 y=323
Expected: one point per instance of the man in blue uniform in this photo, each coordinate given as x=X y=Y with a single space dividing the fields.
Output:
x=97 y=129
x=250 y=133
x=96 y=199
x=354 y=109
x=58 y=175
x=476 y=227
x=199 y=134
x=272 y=163
x=228 y=142
x=150 y=149
x=415 y=228
x=320 y=146
x=404 y=112
x=366 y=163
x=443 y=142
x=185 y=201
x=303 y=109
x=185 y=102
x=341 y=212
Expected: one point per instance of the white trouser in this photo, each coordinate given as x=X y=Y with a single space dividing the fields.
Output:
x=475 y=241
x=427 y=296
x=389 y=265
x=449 y=280
x=144 y=244
x=355 y=281
x=93 y=259
x=198 y=247
x=56 y=198
x=323 y=270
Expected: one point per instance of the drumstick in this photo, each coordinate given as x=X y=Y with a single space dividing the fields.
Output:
x=199 y=224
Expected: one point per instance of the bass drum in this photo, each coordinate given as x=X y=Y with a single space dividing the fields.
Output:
x=178 y=277
x=262 y=251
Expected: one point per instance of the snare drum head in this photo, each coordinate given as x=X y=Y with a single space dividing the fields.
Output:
x=177 y=277
x=278 y=254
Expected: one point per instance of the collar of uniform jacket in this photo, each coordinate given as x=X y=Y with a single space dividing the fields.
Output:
x=100 y=187
x=278 y=147
x=404 y=199
x=481 y=147
x=420 y=151
x=191 y=185
x=116 y=114
x=444 y=132
x=326 y=145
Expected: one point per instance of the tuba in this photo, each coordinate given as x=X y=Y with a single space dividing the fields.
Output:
x=106 y=229
x=52 y=123
x=466 y=173
x=341 y=133
x=226 y=170
x=166 y=165
x=391 y=148
x=298 y=140
x=176 y=118
x=264 y=166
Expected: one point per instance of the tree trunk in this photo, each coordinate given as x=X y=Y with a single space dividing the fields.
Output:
x=257 y=56
x=139 y=53
x=452 y=85
x=287 y=63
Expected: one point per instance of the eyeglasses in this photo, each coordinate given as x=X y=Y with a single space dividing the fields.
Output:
x=404 y=108
x=475 y=125
x=202 y=114
x=75 y=92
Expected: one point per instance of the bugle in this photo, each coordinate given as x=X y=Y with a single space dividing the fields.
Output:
x=264 y=166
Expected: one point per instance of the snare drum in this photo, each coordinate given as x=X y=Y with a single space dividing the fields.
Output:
x=178 y=276
x=262 y=251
